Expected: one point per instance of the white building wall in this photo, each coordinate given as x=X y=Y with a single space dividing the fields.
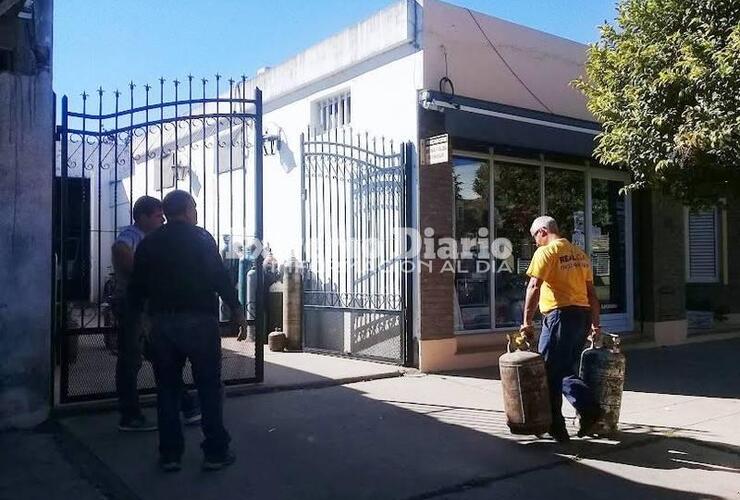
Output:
x=383 y=105
x=544 y=63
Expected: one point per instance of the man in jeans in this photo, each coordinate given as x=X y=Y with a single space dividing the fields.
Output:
x=178 y=270
x=561 y=282
x=147 y=215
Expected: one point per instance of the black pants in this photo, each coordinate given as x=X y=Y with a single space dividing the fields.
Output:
x=130 y=354
x=564 y=333
x=175 y=338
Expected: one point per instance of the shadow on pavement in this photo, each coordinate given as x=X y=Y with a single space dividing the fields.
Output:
x=341 y=442
x=667 y=452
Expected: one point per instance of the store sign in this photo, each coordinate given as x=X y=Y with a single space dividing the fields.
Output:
x=437 y=150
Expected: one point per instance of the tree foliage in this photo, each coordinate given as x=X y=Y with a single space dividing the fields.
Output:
x=664 y=80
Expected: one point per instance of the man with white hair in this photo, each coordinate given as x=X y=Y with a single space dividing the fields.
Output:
x=561 y=283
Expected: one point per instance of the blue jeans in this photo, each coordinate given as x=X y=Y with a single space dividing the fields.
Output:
x=176 y=337
x=131 y=350
x=564 y=333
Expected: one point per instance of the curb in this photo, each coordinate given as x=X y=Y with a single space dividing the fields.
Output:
x=149 y=400
x=694 y=339
x=236 y=391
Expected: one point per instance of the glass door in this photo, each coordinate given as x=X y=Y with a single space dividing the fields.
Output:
x=609 y=244
x=516 y=204
x=471 y=182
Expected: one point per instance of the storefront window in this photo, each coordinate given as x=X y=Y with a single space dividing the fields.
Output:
x=472 y=279
x=565 y=201
x=516 y=189
x=608 y=252
x=516 y=205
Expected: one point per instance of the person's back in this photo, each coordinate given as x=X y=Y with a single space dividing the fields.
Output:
x=565 y=270
x=189 y=271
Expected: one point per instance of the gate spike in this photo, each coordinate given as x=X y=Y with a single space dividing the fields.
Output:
x=131 y=85
x=101 y=91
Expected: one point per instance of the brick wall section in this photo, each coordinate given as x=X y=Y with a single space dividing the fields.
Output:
x=435 y=211
x=661 y=291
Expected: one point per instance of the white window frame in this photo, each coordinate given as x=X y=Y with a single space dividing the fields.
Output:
x=718 y=247
x=615 y=322
x=333 y=112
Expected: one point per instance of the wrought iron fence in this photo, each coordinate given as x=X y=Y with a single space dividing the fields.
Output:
x=206 y=139
x=355 y=209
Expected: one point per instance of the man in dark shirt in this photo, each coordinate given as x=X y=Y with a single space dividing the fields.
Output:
x=148 y=217
x=178 y=271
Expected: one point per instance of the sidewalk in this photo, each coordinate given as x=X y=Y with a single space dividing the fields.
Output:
x=37 y=465
x=440 y=436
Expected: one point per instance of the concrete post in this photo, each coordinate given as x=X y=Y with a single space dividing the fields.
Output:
x=662 y=287
x=26 y=173
x=293 y=305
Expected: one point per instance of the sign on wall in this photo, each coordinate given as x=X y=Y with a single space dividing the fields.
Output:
x=436 y=150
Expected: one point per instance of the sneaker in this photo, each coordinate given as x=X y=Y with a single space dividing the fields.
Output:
x=170 y=464
x=137 y=424
x=219 y=462
x=191 y=417
x=588 y=422
x=559 y=433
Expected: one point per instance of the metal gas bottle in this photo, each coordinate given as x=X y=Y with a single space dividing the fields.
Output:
x=602 y=368
x=524 y=383
x=252 y=303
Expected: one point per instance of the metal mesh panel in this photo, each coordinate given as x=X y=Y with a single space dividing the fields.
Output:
x=376 y=335
x=92 y=367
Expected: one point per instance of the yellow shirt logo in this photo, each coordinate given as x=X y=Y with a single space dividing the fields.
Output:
x=565 y=269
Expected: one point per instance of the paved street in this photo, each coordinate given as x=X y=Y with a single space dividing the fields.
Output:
x=444 y=436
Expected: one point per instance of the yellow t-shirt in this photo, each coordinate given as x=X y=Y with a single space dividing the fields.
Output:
x=565 y=269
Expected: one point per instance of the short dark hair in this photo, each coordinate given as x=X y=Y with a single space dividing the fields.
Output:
x=146 y=205
x=176 y=203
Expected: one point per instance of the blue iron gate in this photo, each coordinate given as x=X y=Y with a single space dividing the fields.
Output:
x=355 y=205
x=206 y=139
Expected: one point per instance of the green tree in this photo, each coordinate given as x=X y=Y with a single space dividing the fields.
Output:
x=664 y=80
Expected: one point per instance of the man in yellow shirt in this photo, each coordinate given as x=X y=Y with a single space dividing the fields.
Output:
x=561 y=282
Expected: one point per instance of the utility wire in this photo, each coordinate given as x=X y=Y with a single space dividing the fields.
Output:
x=480 y=28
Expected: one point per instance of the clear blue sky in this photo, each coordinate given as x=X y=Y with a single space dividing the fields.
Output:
x=111 y=42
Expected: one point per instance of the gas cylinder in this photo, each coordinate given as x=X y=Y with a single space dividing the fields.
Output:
x=252 y=303
x=524 y=383
x=277 y=340
x=245 y=264
x=602 y=368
